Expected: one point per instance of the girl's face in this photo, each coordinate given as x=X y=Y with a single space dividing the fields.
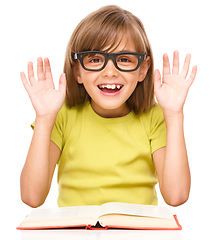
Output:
x=105 y=101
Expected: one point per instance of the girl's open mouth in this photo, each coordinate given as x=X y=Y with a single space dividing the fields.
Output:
x=111 y=89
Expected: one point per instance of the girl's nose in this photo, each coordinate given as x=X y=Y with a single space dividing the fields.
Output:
x=110 y=69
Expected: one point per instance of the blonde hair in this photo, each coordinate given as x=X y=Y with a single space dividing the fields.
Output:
x=103 y=30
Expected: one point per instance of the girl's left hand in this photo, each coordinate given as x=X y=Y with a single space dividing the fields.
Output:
x=171 y=93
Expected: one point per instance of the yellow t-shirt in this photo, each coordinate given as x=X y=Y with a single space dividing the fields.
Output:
x=107 y=159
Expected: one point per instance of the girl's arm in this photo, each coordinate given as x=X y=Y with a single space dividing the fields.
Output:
x=171 y=162
x=40 y=164
x=43 y=154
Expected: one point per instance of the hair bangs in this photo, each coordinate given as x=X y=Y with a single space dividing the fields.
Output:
x=110 y=36
x=104 y=34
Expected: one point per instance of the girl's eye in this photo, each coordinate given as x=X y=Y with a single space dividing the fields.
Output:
x=124 y=60
x=95 y=60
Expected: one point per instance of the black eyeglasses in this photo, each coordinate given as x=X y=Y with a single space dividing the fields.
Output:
x=96 y=60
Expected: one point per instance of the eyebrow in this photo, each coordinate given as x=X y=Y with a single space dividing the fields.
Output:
x=124 y=50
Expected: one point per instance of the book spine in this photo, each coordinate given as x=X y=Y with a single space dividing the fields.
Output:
x=90 y=227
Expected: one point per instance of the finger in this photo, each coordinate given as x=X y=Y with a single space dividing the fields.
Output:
x=40 y=71
x=175 y=68
x=186 y=66
x=31 y=77
x=25 y=82
x=48 y=73
x=166 y=65
x=157 y=80
x=62 y=83
x=192 y=75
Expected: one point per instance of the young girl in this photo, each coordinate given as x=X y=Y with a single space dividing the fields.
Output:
x=111 y=141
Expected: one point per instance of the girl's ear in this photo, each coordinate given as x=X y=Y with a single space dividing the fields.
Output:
x=144 y=67
x=77 y=74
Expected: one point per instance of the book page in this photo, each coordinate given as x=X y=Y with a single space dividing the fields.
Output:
x=64 y=212
x=135 y=210
x=136 y=222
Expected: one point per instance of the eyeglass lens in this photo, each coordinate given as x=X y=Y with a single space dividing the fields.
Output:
x=97 y=61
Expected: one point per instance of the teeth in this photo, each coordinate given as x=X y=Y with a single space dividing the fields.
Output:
x=110 y=86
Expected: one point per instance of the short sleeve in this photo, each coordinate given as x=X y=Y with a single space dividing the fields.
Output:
x=57 y=132
x=157 y=129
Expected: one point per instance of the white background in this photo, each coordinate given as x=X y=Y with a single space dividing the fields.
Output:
x=31 y=29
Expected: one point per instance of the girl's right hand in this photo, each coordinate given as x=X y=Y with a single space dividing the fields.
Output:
x=46 y=100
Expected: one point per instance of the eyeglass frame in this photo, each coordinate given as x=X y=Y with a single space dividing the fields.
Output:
x=112 y=56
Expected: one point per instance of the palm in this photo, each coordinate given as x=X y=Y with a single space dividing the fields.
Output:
x=45 y=98
x=171 y=93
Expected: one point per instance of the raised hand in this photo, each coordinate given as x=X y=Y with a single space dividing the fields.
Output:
x=171 y=93
x=46 y=100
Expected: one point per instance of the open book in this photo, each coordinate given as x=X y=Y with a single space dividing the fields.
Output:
x=108 y=215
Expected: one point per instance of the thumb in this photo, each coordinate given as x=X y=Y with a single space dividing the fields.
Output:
x=62 y=83
x=25 y=82
x=157 y=80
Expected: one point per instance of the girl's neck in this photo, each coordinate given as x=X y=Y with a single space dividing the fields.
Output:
x=110 y=113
